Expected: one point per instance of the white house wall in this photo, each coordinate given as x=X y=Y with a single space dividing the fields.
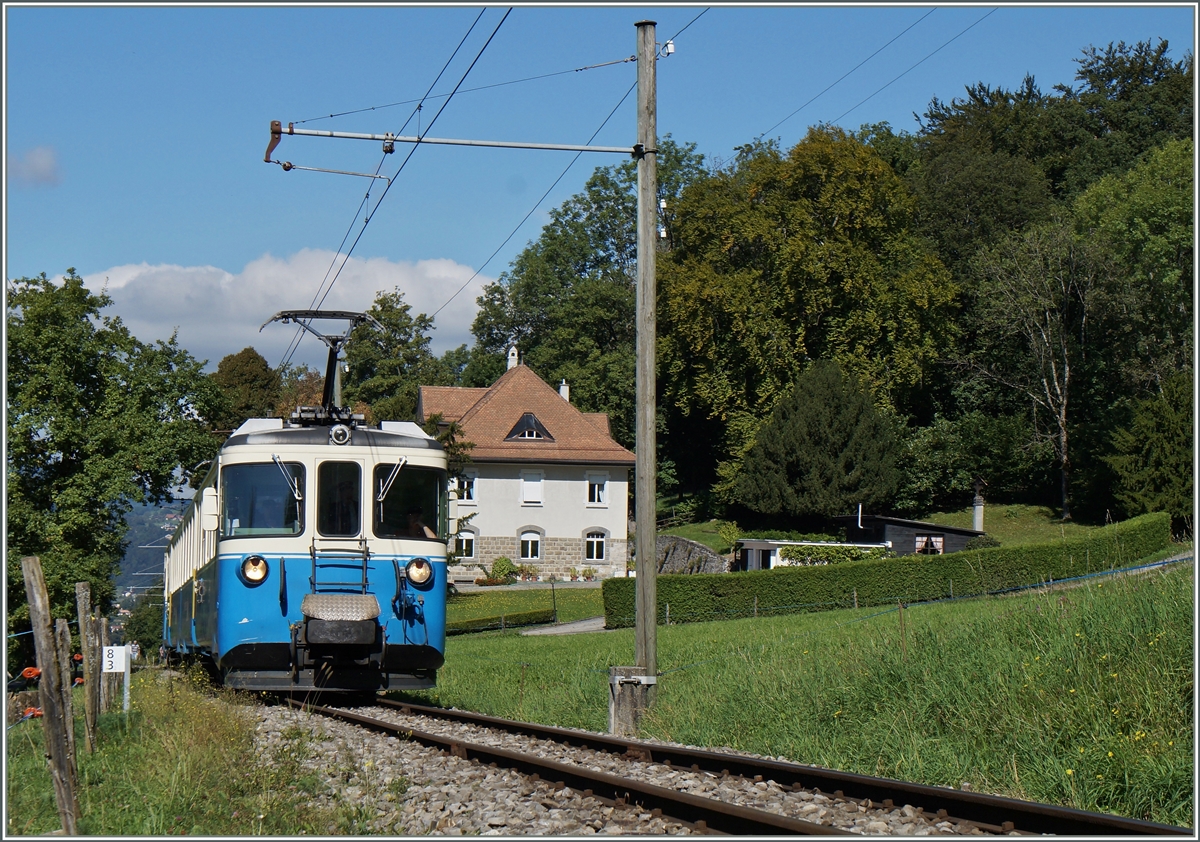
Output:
x=563 y=518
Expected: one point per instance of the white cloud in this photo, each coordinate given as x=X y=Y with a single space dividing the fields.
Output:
x=37 y=167
x=219 y=313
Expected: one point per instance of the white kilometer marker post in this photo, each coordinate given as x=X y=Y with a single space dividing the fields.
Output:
x=116 y=659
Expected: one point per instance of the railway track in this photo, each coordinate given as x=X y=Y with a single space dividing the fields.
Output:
x=647 y=778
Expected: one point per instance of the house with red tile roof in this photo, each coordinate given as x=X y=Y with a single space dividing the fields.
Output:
x=548 y=483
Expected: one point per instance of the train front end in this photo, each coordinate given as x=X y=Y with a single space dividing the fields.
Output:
x=315 y=559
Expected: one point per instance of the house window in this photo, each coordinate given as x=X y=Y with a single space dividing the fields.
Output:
x=930 y=544
x=597 y=489
x=531 y=546
x=465 y=485
x=529 y=428
x=594 y=546
x=531 y=488
x=464 y=546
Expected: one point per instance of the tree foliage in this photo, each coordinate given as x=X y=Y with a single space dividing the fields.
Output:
x=250 y=387
x=781 y=259
x=97 y=421
x=568 y=301
x=388 y=367
x=1153 y=456
x=824 y=449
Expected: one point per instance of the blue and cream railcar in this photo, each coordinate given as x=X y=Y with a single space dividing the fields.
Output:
x=314 y=557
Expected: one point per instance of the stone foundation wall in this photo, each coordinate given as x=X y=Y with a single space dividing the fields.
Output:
x=559 y=555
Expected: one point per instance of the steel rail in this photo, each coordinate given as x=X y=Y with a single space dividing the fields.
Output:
x=991 y=812
x=705 y=814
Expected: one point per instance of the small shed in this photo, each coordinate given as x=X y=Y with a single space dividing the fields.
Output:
x=906 y=537
x=763 y=553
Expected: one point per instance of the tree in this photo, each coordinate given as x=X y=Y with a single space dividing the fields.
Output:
x=1038 y=294
x=779 y=260
x=825 y=449
x=97 y=421
x=145 y=623
x=388 y=367
x=1153 y=456
x=1145 y=218
x=567 y=301
x=250 y=386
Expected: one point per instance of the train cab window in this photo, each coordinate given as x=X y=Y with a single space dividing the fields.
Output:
x=259 y=499
x=409 y=502
x=339 y=500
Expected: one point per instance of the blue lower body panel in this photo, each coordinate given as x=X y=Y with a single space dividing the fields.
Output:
x=259 y=638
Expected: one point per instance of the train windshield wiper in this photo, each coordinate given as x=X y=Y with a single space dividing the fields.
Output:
x=291 y=481
x=385 y=487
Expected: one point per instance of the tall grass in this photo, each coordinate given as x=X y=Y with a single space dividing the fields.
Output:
x=1081 y=697
x=181 y=762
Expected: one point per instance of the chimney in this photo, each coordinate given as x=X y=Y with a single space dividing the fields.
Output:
x=565 y=391
x=512 y=357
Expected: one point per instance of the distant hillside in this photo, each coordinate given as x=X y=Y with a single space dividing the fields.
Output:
x=150 y=528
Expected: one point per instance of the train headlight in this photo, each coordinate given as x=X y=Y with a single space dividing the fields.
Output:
x=419 y=571
x=254 y=569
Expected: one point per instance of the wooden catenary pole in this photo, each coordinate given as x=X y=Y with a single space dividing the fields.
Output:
x=58 y=751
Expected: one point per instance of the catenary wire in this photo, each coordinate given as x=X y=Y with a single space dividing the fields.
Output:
x=922 y=61
x=412 y=152
x=300 y=332
x=538 y=203
x=470 y=90
x=847 y=73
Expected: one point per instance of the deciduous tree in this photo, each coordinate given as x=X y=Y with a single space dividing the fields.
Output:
x=97 y=421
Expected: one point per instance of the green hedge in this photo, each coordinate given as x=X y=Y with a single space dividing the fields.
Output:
x=505 y=621
x=808 y=555
x=910 y=578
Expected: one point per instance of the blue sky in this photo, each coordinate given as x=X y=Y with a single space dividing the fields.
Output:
x=134 y=136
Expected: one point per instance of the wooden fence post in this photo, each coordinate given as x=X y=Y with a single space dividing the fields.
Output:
x=83 y=605
x=63 y=628
x=58 y=752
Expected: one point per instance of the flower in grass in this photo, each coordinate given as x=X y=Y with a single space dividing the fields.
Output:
x=1072 y=690
x=1114 y=675
x=1070 y=771
x=837 y=713
x=1099 y=777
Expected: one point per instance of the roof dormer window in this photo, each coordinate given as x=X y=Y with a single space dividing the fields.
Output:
x=529 y=429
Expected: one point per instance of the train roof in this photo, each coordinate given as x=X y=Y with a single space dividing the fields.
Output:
x=274 y=431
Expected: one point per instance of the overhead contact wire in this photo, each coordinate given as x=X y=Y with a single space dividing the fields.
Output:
x=472 y=90
x=300 y=332
x=562 y=175
x=919 y=63
x=848 y=72
x=413 y=150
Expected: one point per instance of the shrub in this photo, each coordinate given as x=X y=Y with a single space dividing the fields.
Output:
x=504 y=621
x=503 y=568
x=807 y=556
x=589 y=573
x=981 y=542
x=910 y=578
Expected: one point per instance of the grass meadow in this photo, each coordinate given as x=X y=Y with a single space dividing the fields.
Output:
x=1080 y=696
x=178 y=764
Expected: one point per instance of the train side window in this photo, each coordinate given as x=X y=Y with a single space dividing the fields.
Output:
x=256 y=500
x=414 y=505
x=339 y=499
